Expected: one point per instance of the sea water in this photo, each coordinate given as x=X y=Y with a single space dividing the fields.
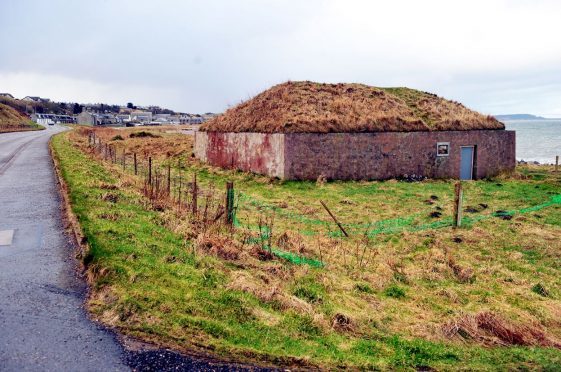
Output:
x=537 y=140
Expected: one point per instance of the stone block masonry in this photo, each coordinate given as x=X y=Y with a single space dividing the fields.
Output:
x=357 y=156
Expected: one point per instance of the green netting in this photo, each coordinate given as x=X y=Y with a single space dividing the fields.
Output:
x=383 y=224
x=298 y=260
x=389 y=226
x=290 y=257
x=278 y=210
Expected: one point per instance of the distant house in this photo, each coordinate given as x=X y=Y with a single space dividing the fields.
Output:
x=141 y=116
x=174 y=119
x=123 y=118
x=165 y=119
x=7 y=95
x=86 y=118
x=47 y=119
x=92 y=118
x=36 y=99
x=191 y=119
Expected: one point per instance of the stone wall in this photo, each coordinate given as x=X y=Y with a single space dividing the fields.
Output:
x=357 y=155
x=251 y=152
x=389 y=155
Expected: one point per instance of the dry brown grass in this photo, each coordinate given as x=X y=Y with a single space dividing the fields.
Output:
x=11 y=119
x=298 y=107
x=490 y=328
x=165 y=143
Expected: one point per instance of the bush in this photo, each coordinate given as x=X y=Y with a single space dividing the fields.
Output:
x=540 y=289
x=394 y=291
x=143 y=134
x=118 y=137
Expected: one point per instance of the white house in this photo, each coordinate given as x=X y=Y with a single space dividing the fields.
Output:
x=141 y=116
x=35 y=99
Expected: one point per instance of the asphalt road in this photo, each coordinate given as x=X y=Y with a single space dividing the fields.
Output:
x=43 y=325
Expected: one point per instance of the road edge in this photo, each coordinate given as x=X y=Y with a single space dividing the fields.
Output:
x=70 y=219
x=32 y=129
x=130 y=345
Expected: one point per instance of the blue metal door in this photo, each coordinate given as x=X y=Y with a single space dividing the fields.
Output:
x=466 y=163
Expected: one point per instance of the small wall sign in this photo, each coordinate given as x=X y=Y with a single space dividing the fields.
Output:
x=442 y=148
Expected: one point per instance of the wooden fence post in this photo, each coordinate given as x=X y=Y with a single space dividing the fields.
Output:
x=179 y=193
x=169 y=180
x=124 y=158
x=135 y=165
x=458 y=196
x=150 y=171
x=229 y=202
x=556 y=163
x=194 y=194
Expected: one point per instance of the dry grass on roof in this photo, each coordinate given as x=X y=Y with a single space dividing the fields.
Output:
x=307 y=107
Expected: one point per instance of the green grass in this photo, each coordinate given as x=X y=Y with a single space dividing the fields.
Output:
x=149 y=281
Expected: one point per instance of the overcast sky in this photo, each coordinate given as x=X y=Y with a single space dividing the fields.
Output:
x=495 y=56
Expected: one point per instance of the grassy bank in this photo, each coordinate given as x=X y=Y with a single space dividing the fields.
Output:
x=13 y=121
x=405 y=291
x=20 y=127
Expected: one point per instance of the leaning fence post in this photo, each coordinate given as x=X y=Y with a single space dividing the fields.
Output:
x=334 y=219
x=229 y=202
x=458 y=196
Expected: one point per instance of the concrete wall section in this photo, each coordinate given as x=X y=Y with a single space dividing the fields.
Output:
x=251 y=152
x=200 y=146
x=389 y=155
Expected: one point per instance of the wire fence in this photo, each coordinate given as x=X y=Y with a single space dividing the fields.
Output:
x=171 y=183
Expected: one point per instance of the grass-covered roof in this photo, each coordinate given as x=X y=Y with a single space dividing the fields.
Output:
x=308 y=107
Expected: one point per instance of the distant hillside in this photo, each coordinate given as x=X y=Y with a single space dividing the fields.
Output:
x=11 y=120
x=518 y=117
